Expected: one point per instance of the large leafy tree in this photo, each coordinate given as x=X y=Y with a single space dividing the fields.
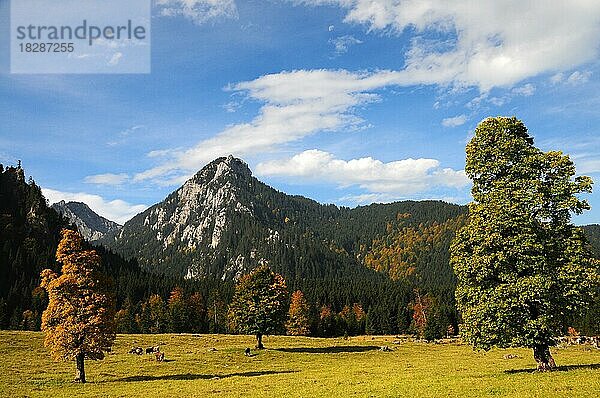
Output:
x=258 y=305
x=79 y=320
x=523 y=268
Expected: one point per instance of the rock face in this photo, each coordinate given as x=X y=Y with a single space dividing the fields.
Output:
x=91 y=225
x=196 y=214
x=184 y=233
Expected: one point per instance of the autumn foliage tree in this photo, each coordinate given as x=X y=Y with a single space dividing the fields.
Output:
x=79 y=320
x=154 y=317
x=351 y=319
x=326 y=321
x=523 y=268
x=420 y=309
x=298 y=323
x=178 y=311
x=258 y=305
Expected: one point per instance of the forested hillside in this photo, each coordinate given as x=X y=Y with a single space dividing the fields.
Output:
x=223 y=222
x=29 y=234
x=592 y=233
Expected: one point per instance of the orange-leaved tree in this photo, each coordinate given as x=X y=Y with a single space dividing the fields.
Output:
x=79 y=320
x=298 y=323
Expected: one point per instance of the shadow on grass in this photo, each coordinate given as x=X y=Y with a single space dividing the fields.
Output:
x=566 y=368
x=191 y=376
x=330 y=350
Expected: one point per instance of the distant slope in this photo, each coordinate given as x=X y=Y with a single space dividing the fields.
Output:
x=91 y=225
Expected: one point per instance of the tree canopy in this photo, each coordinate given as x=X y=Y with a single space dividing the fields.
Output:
x=524 y=270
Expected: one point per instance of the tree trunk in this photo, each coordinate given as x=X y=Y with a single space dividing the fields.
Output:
x=259 y=343
x=543 y=357
x=80 y=375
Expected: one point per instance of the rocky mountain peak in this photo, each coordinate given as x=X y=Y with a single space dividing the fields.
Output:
x=197 y=214
x=223 y=168
x=91 y=225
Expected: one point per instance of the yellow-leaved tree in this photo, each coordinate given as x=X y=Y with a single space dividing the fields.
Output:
x=79 y=320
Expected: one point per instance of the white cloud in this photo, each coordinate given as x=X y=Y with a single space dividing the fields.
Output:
x=198 y=11
x=573 y=79
x=397 y=178
x=116 y=57
x=131 y=130
x=454 y=121
x=115 y=210
x=526 y=90
x=368 y=198
x=122 y=136
x=498 y=101
x=557 y=78
x=577 y=78
x=296 y=104
x=343 y=43
x=496 y=42
x=107 y=179
x=486 y=44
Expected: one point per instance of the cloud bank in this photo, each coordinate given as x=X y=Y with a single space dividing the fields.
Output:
x=400 y=177
x=484 y=43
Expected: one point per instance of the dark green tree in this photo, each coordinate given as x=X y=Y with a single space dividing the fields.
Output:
x=217 y=313
x=258 y=305
x=524 y=271
x=196 y=313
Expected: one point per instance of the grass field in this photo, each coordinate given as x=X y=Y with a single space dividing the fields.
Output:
x=214 y=365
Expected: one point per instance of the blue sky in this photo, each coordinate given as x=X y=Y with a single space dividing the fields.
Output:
x=343 y=101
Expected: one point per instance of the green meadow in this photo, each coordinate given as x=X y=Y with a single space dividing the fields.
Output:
x=215 y=365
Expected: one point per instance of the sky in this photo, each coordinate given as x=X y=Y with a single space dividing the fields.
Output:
x=344 y=101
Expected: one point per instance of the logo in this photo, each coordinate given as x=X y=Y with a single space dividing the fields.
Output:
x=80 y=36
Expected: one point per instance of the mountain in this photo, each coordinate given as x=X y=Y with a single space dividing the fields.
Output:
x=223 y=221
x=91 y=225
